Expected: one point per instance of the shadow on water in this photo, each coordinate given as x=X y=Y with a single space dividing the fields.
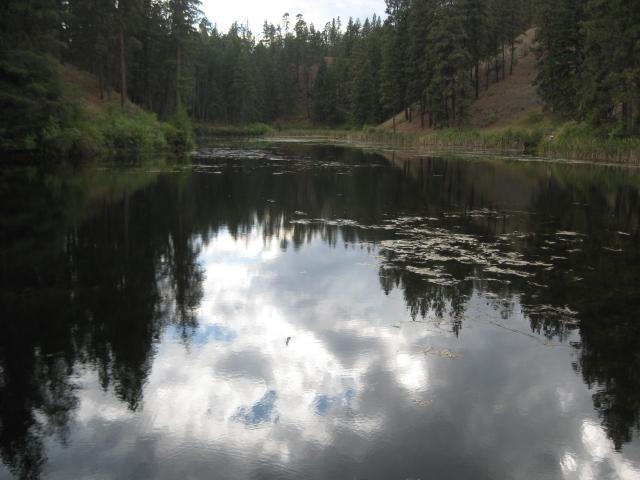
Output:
x=96 y=264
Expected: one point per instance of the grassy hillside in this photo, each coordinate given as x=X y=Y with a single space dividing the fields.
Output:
x=60 y=113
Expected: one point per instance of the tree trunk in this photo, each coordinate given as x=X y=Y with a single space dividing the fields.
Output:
x=637 y=102
x=178 y=75
x=477 y=79
x=626 y=116
x=488 y=72
x=101 y=79
x=123 y=68
x=513 y=54
x=446 y=112
x=453 y=108
x=307 y=94
x=394 y=123
x=504 y=70
x=422 y=113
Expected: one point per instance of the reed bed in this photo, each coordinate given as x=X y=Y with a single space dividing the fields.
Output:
x=572 y=141
x=250 y=130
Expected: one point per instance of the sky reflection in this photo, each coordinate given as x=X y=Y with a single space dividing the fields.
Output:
x=320 y=312
x=354 y=377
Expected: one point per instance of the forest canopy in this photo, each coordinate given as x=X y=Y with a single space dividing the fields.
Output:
x=429 y=58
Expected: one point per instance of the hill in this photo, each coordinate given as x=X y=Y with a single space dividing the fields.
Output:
x=506 y=102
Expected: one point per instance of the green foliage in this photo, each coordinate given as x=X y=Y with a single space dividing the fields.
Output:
x=122 y=135
x=418 y=68
x=609 y=83
x=393 y=83
x=130 y=135
x=559 y=53
x=179 y=133
x=584 y=141
x=533 y=118
x=428 y=53
x=82 y=141
x=249 y=130
x=589 y=61
x=33 y=25
x=326 y=108
x=511 y=139
x=31 y=99
x=449 y=60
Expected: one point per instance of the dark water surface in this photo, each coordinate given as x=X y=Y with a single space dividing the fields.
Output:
x=295 y=311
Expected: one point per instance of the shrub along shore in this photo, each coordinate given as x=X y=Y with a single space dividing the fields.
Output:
x=126 y=134
x=56 y=112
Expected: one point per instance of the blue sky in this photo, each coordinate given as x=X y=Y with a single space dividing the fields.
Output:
x=224 y=13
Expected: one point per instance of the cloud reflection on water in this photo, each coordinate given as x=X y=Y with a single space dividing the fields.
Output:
x=241 y=393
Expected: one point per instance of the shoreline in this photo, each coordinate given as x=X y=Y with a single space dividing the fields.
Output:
x=508 y=141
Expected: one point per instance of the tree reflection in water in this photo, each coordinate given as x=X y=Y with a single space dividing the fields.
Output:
x=97 y=264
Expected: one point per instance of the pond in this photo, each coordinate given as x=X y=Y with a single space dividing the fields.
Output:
x=293 y=310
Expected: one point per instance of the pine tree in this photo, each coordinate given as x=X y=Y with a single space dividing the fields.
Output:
x=363 y=93
x=476 y=25
x=30 y=80
x=560 y=53
x=418 y=70
x=325 y=99
x=449 y=86
x=393 y=79
x=609 y=82
x=184 y=15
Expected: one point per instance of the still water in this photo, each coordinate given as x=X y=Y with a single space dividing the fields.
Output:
x=305 y=311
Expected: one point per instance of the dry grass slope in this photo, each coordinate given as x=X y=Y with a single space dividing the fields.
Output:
x=86 y=89
x=507 y=102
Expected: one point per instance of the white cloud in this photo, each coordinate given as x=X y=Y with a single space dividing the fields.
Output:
x=257 y=11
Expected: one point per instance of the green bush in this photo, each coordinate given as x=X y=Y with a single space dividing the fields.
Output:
x=179 y=134
x=587 y=142
x=71 y=142
x=130 y=134
x=533 y=118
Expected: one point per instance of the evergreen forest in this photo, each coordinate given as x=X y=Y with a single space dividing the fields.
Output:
x=426 y=58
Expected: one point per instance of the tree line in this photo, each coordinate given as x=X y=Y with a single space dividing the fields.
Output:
x=589 y=61
x=426 y=58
